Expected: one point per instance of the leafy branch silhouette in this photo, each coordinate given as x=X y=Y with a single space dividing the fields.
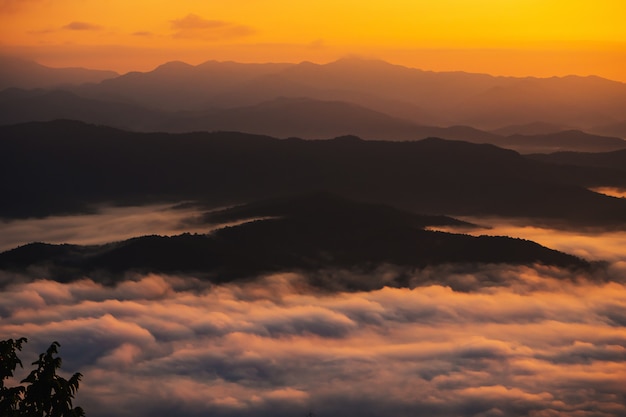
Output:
x=46 y=395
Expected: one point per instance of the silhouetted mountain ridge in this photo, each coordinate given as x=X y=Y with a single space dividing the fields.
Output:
x=428 y=176
x=563 y=140
x=529 y=129
x=18 y=106
x=427 y=98
x=421 y=97
x=20 y=73
x=314 y=232
x=281 y=117
x=613 y=160
x=329 y=207
x=612 y=129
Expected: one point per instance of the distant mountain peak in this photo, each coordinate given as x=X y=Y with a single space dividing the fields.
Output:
x=357 y=61
x=22 y=73
x=532 y=128
x=348 y=139
x=174 y=66
x=360 y=59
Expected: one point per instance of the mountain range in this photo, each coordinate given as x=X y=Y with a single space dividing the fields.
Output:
x=613 y=160
x=423 y=97
x=281 y=117
x=312 y=233
x=41 y=160
x=390 y=101
x=21 y=73
x=321 y=166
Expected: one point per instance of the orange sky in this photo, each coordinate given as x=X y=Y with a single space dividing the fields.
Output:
x=509 y=37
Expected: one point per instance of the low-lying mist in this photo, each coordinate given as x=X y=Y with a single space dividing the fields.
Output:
x=106 y=224
x=481 y=340
x=590 y=244
x=161 y=345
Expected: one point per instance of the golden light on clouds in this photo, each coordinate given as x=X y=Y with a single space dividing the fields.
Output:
x=517 y=37
x=533 y=346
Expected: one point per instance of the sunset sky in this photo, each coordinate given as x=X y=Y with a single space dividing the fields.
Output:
x=513 y=37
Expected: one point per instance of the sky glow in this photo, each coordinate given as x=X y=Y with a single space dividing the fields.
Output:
x=540 y=38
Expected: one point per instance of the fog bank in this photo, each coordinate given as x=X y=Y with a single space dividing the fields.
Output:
x=161 y=346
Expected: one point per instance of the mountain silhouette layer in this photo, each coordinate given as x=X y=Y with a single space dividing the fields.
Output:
x=613 y=129
x=529 y=129
x=21 y=73
x=67 y=166
x=422 y=97
x=306 y=233
x=610 y=160
x=281 y=117
x=566 y=140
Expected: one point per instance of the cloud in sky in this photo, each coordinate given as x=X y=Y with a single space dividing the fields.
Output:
x=192 y=21
x=142 y=33
x=162 y=345
x=82 y=26
x=72 y=26
x=193 y=26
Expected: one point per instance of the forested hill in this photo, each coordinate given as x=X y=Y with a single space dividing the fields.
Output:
x=65 y=166
x=310 y=233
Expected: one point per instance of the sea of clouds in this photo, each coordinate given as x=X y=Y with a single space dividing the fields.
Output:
x=483 y=341
x=161 y=346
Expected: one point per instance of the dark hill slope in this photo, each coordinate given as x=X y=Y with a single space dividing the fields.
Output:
x=335 y=234
x=61 y=166
x=179 y=86
x=529 y=129
x=613 y=160
x=574 y=140
x=19 y=106
x=613 y=129
x=281 y=117
x=21 y=73
x=323 y=206
x=296 y=117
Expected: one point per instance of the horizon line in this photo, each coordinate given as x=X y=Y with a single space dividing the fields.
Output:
x=345 y=57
